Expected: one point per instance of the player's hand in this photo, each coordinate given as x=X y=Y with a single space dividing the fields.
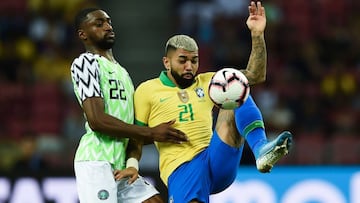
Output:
x=256 y=21
x=166 y=133
x=130 y=173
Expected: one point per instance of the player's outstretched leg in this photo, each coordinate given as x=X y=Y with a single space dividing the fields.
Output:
x=250 y=125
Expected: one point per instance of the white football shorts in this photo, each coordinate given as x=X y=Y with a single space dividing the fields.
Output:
x=96 y=184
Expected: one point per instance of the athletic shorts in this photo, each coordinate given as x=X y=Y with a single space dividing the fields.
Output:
x=96 y=184
x=209 y=172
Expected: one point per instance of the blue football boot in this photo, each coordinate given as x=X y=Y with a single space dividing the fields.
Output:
x=273 y=151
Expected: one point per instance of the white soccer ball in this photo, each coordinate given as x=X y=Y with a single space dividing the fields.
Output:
x=229 y=88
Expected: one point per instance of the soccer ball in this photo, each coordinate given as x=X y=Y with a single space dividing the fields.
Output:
x=229 y=88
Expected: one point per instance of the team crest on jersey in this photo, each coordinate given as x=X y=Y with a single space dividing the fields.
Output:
x=171 y=199
x=183 y=96
x=103 y=194
x=200 y=92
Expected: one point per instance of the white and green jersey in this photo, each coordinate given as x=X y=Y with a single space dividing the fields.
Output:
x=95 y=76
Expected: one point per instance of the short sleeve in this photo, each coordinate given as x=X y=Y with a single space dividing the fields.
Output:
x=85 y=76
x=142 y=105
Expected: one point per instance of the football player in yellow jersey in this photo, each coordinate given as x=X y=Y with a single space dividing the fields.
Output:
x=208 y=162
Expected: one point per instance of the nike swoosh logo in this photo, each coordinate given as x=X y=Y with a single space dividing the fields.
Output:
x=111 y=72
x=164 y=99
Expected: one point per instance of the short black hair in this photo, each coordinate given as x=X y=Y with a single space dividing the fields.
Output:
x=81 y=16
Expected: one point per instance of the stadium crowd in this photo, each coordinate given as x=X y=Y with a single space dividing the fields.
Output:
x=312 y=86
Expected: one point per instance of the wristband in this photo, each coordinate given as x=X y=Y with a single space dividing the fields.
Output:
x=132 y=162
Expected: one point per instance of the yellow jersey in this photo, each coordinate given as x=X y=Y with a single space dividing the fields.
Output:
x=159 y=100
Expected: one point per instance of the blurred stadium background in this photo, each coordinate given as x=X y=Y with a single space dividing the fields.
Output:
x=312 y=86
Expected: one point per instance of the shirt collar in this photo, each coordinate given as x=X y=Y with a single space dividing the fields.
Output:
x=165 y=79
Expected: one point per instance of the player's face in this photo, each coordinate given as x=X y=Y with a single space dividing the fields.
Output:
x=183 y=66
x=98 y=30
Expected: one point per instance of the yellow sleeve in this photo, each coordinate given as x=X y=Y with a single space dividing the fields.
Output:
x=142 y=104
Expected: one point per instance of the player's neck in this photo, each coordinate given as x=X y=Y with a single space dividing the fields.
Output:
x=109 y=56
x=105 y=53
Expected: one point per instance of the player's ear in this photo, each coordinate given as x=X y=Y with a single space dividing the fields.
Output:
x=82 y=34
x=166 y=62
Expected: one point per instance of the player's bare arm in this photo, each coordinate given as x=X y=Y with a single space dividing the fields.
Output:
x=105 y=123
x=134 y=148
x=256 y=22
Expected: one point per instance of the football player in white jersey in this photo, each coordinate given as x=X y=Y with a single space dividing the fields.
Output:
x=105 y=90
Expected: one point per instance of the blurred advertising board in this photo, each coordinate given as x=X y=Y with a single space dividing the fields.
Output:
x=298 y=184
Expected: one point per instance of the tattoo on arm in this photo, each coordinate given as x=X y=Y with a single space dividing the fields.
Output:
x=256 y=68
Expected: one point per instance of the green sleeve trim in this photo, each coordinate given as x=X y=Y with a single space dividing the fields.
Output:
x=140 y=123
x=252 y=126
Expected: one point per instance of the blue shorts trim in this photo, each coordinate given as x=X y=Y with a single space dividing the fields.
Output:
x=209 y=172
